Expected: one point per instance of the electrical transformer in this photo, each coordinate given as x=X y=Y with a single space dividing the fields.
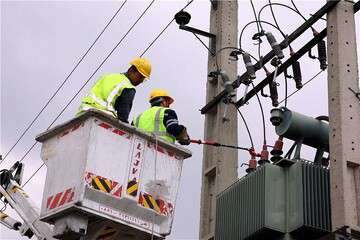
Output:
x=276 y=203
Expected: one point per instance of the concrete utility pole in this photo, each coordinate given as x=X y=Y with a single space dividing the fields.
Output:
x=219 y=164
x=344 y=113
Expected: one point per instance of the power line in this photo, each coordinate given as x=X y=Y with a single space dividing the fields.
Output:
x=258 y=28
x=87 y=81
x=63 y=83
x=317 y=74
x=262 y=116
x=246 y=126
x=29 y=150
x=286 y=89
x=282 y=5
x=143 y=13
x=256 y=19
x=297 y=10
x=187 y=5
x=33 y=175
x=259 y=54
x=156 y=38
x=164 y=29
x=273 y=15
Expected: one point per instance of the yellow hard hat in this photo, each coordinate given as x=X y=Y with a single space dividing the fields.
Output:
x=143 y=66
x=160 y=93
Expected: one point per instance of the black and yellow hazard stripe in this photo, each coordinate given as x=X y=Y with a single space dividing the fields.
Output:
x=101 y=184
x=107 y=234
x=149 y=202
x=132 y=188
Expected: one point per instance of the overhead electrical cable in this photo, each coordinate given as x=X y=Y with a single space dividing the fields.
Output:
x=262 y=116
x=317 y=74
x=96 y=71
x=297 y=10
x=87 y=81
x=33 y=175
x=65 y=80
x=270 y=4
x=273 y=15
x=246 y=126
x=163 y=30
x=256 y=19
x=156 y=38
x=286 y=6
x=259 y=54
x=278 y=4
x=258 y=28
x=286 y=89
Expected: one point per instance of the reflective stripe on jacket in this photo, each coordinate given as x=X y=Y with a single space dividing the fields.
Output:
x=103 y=94
x=152 y=121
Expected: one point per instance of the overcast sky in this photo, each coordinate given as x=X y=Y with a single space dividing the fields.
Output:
x=41 y=41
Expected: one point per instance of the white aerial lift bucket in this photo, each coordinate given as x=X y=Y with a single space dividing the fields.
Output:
x=104 y=174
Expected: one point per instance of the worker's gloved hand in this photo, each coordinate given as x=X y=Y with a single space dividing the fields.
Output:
x=184 y=141
x=183 y=138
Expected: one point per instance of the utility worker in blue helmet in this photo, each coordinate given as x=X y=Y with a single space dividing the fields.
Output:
x=114 y=93
x=161 y=120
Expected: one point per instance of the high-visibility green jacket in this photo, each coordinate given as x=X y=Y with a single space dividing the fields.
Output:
x=152 y=121
x=103 y=94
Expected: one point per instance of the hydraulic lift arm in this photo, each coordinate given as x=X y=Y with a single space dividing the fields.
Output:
x=9 y=222
x=15 y=196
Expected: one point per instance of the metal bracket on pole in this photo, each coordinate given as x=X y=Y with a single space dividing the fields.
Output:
x=182 y=18
x=198 y=31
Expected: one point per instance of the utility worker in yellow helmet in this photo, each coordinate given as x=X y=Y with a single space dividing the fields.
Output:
x=161 y=120
x=114 y=93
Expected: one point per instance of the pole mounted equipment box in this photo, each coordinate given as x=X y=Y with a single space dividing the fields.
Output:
x=100 y=169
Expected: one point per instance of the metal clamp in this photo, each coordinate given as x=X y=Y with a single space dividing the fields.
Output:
x=213 y=77
x=197 y=32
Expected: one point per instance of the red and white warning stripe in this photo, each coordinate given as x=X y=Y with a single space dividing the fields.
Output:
x=116 y=191
x=61 y=198
x=112 y=129
x=89 y=177
x=74 y=128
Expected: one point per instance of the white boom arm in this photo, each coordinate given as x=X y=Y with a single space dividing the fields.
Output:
x=24 y=206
